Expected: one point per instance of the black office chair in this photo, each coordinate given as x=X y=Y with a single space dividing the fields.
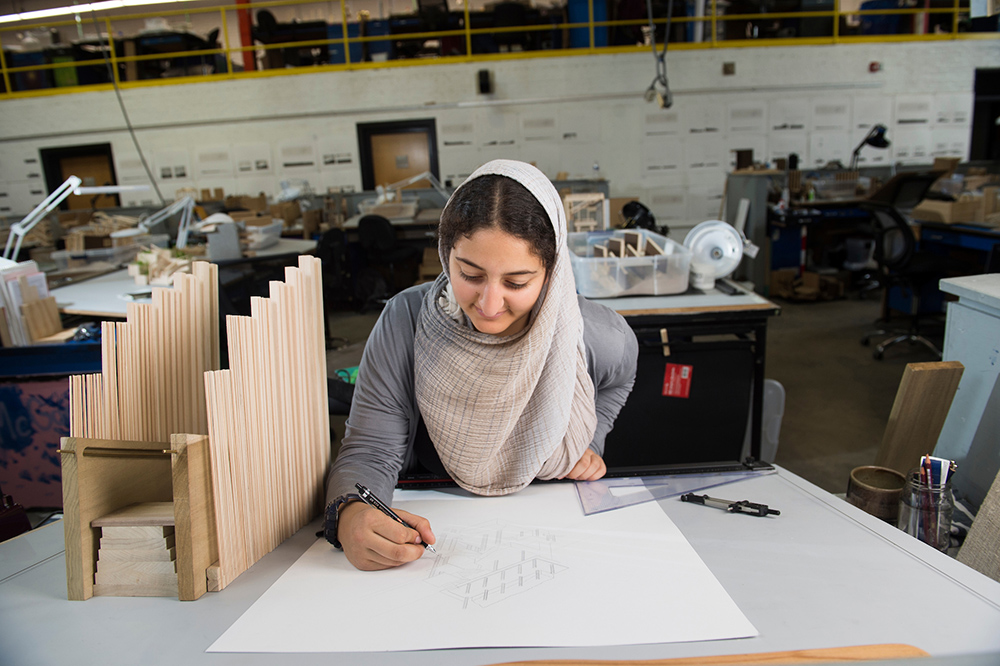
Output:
x=912 y=271
x=337 y=293
x=378 y=281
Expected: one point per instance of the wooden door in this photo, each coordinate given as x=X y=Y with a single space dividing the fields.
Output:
x=397 y=156
x=95 y=171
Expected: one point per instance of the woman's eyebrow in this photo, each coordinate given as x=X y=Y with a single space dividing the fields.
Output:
x=480 y=268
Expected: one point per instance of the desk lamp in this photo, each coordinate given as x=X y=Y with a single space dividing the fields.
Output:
x=72 y=185
x=875 y=138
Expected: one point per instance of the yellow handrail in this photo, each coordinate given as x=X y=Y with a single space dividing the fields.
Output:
x=11 y=75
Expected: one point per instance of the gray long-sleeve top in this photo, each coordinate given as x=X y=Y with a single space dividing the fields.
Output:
x=382 y=426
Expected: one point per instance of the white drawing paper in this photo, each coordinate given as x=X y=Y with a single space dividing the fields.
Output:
x=527 y=569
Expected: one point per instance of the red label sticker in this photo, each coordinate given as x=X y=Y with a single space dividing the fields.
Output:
x=677 y=380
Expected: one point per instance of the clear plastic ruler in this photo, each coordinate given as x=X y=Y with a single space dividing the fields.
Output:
x=615 y=493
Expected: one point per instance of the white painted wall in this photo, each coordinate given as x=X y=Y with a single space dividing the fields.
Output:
x=565 y=114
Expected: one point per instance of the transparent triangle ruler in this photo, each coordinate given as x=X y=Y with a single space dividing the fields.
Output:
x=609 y=494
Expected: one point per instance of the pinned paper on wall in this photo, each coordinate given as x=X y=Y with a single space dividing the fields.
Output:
x=869 y=111
x=663 y=122
x=213 y=161
x=528 y=569
x=253 y=159
x=914 y=109
x=750 y=117
x=789 y=115
x=831 y=114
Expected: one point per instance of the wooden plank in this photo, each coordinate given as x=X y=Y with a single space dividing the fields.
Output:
x=96 y=485
x=163 y=589
x=144 y=513
x=918 y=413
x=194 y=513
x=137 y=554
x=133 y=533
x=813 y=656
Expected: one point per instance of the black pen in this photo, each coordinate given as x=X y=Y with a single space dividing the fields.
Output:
x=368 y=497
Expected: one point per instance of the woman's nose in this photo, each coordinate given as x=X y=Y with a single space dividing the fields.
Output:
x=490 y=300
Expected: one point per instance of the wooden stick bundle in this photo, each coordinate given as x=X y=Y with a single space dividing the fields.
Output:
x=151 y=385
x=269 y=421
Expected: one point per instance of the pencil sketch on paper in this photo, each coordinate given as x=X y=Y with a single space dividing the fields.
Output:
x=493 y=561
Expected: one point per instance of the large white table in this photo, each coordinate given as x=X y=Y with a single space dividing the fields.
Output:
x=108 y=295
x=822 y=574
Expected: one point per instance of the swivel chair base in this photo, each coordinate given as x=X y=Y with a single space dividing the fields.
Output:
x=912 y=338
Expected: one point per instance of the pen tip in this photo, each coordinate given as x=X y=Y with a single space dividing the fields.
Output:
x=431 y=548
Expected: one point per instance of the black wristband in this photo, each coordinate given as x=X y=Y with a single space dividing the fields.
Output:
x=333 y=517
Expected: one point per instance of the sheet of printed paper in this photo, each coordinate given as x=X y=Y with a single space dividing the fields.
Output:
x=527 y=569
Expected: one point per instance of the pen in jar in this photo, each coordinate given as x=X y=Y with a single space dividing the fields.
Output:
x=368 y=497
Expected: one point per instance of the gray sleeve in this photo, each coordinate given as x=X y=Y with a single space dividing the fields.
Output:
x=612 y=353
x=380 y=430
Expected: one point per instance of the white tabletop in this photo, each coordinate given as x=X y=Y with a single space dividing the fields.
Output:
x=692 y=301
x=983 y=289
x=108 y=295
x=822 y=574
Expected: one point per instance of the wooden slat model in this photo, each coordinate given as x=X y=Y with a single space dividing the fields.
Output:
x=269 y=421
x=137 y=554
x=151 y=382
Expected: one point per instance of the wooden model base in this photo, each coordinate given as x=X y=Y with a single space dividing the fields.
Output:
x=103 y=476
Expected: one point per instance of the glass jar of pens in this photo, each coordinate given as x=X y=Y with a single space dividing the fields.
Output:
x=927 y=503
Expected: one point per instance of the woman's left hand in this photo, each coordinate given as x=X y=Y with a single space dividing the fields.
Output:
x=589 y=467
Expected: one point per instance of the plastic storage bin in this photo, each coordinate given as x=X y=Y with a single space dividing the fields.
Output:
x=600 y=277
x=95 y=259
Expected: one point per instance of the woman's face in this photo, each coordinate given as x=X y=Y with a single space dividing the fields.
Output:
x=496 y=279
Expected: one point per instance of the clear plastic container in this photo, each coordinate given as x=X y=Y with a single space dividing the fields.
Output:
x=610 y=277
x=925 y=511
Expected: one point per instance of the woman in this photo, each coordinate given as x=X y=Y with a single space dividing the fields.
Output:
x=495 y=374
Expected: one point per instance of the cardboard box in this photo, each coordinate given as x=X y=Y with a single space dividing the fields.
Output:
x=615 y=205
x=966 y=209
x=786 y=283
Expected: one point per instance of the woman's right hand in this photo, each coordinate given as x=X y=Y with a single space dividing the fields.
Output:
x=372 y=540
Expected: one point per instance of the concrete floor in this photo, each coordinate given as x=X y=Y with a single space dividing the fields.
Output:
x=837 y=397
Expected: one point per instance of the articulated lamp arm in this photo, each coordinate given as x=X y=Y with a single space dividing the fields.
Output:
x=19 y=230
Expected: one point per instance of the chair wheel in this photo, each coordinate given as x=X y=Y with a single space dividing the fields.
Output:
x=877 y=355
x=865 y=342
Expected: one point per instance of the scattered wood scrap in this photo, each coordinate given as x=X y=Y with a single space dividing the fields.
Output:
x=157 y=265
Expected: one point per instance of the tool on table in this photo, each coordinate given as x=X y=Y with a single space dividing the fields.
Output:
x=743 y=506
x=612 y=493
x=368 y=497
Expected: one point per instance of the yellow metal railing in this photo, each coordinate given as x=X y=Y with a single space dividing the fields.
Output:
x=119 y=62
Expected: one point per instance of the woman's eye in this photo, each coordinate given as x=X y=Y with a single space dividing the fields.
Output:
x=515 y=285
x=470 y=278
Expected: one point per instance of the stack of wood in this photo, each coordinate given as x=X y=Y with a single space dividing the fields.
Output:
x=28 y=315
x=137 y=556
x=41 y=315
x=97 y=234
x=158 y=265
